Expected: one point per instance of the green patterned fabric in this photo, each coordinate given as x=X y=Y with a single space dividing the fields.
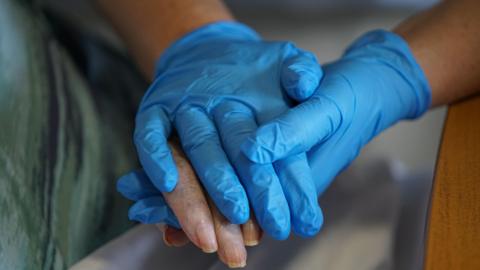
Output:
x=63 y=142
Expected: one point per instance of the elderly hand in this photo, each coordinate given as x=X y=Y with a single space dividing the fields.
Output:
x=188 y=215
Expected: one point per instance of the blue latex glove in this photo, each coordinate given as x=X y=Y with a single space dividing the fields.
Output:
x=150 y=206
x=215 y=85
x=375 y=84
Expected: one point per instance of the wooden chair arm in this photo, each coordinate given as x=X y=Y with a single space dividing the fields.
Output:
x=453 y=230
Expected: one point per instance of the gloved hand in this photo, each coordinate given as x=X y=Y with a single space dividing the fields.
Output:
x=215 y=85
x=375 y=84
x=150 y=206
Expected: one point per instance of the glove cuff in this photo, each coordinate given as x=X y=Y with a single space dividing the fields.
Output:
x=214 y=32
x=393 y=51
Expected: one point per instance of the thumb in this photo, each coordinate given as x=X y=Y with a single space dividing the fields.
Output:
x=294 y=132
x=301 y=75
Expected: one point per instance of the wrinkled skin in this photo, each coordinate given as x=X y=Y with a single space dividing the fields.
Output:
x=197 y=210
x=189 y=215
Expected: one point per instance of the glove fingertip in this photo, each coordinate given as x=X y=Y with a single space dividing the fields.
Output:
x=276 y=223
x=239 y=212
x=306 y=86
x=170 y=181
x=281 y=233
x=166 y=181
x=151 y=211
x=236 y=208
x=239 y=217
x=244 y=212
x=140 y=215
x=124 y=186
x=310 y=227
x=301 y=77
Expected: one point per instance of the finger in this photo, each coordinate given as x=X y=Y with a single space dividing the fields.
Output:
x=329 y=158
x=151 y=211
x=174 y=237
x=299 y=188
x=294 y=132
x=190 y=206
x=301 y=74
x=231 y=250
x=201 y=144
x=198 y=224
x=136 y=186
x=235 y=122
x=252 y=233
x=152 y=128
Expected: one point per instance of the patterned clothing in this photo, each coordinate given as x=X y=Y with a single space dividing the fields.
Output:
x=65 y=137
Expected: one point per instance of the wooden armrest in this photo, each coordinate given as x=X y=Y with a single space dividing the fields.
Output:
x=453 y=231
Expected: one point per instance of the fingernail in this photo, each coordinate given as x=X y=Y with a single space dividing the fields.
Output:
x=206 y=237
x=237 y=265
x=165 y=240
x=175 y=237
x=251 y=234
x=235 y=255
x=251 y=243
x=238 y=258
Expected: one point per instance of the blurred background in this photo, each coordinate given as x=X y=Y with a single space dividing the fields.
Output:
x=376 y=210
x=324 y=27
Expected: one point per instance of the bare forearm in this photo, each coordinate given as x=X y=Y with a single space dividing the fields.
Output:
x=445 y=41
x=148 y=27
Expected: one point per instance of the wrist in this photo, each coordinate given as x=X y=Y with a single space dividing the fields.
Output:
x=393 y=54
x=217 y=32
